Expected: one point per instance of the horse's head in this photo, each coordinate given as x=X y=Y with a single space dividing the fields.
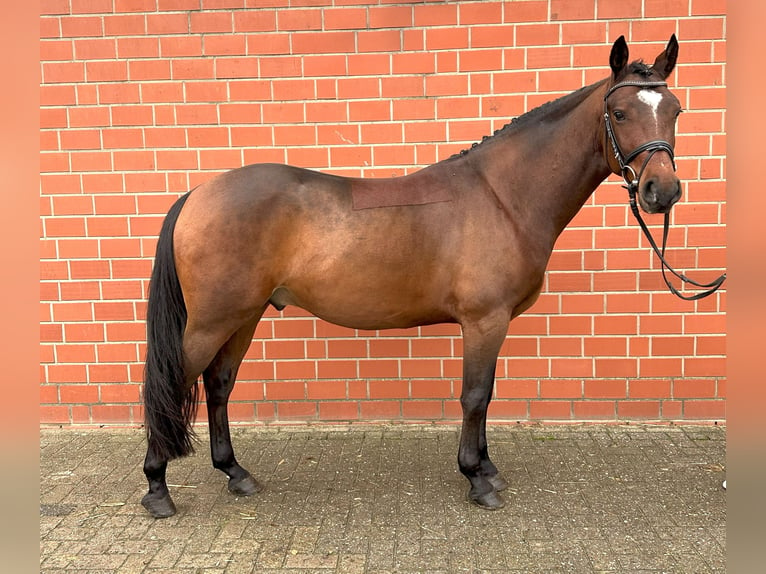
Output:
x=640 y=116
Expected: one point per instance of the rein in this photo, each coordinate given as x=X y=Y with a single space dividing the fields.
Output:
x=632 y=186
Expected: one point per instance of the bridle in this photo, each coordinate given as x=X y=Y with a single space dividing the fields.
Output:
x=631 y=180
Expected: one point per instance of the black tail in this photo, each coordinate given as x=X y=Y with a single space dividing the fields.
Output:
x=169 y=408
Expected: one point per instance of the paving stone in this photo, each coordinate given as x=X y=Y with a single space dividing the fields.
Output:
x=362 y=499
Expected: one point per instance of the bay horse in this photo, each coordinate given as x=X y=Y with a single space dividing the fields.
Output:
x=466 y=240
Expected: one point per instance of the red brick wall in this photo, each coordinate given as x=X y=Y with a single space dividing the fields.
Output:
x=143 y=99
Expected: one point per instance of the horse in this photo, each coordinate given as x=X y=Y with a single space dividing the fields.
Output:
x=465 y=240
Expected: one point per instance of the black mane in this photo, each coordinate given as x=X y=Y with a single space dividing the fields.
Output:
x=639 y=68
x=558 y=107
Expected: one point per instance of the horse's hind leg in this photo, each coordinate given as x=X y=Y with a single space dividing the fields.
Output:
x=199 y=348
x=219 y=379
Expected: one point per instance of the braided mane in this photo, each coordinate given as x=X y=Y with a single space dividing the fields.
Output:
x=558 y=107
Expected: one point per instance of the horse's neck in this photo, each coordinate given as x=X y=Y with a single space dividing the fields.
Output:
x=545 y=171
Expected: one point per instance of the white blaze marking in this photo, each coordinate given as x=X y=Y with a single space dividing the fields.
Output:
x=651 y=99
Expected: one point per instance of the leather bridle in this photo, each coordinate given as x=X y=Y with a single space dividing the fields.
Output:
x=632 y=181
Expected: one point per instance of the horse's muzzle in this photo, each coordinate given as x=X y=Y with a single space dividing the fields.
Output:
x=656 y=196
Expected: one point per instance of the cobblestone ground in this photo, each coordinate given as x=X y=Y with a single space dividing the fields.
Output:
x=389 y=499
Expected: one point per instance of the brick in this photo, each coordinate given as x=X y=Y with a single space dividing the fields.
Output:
x=704 y=366
x=480 y=13
x=649 y=388
x=210 y=22
x=77 y=248
x=572 y=10
x=110 y=413
x=56 y=50
x=225 y=45
x=638 y=410
x=91 y=6
x=694 y=388
x=324 y=42
x=162 y=24
x=82 y=26
x=605 y=389
x=390 y=16
x=550 y=410
x=446 y=38
x=705 y=410
x=73 y=353
x=122 y=137
x=148 y=70
x=132 y=116
x=661 y=8
x=380 y=410
x=653 y=367
x=261 y=43
x=595 y=410
x=436 y=15
x=561 y=389
x=63 y=72
x=474 y=60
x=193 y=69
x=89 y=269
x=529 y=11
x=339 y=410
x=701 y=28
x=337 y=369
x=121 y=332
x=393 y=155
x=708 y=7
x=54 y=414
x=66 y=374
x=430 y=389
x=179 y=46
x=220 y=159
x=517 y=389
x=118 y=93
x=537 y=35
x=308 y=19
x=135 y=5
x=326 y=390
x=344 y=18
x=254 y=21
x=622 y=9
x=453 y=108
x=389 y=389
x=423 y=410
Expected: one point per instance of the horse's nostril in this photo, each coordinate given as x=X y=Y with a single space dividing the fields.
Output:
x=650 y=193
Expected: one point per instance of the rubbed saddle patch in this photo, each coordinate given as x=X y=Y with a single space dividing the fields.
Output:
x=368 y=197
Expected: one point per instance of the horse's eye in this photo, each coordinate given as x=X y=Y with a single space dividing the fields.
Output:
x=619 y=116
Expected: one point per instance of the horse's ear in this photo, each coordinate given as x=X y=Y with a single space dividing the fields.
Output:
x=618 y=59
x=666 y=61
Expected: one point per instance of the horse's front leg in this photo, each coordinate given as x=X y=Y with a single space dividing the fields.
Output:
x=482 y=341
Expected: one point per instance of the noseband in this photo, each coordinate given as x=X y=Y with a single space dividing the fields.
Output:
x=631 y=180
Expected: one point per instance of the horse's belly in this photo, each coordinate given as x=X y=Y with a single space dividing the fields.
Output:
x=362 y=309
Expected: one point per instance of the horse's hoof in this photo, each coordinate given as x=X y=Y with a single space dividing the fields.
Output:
x=498 y=482
x=489 y=500
x=246 y=486
x=161 y=507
